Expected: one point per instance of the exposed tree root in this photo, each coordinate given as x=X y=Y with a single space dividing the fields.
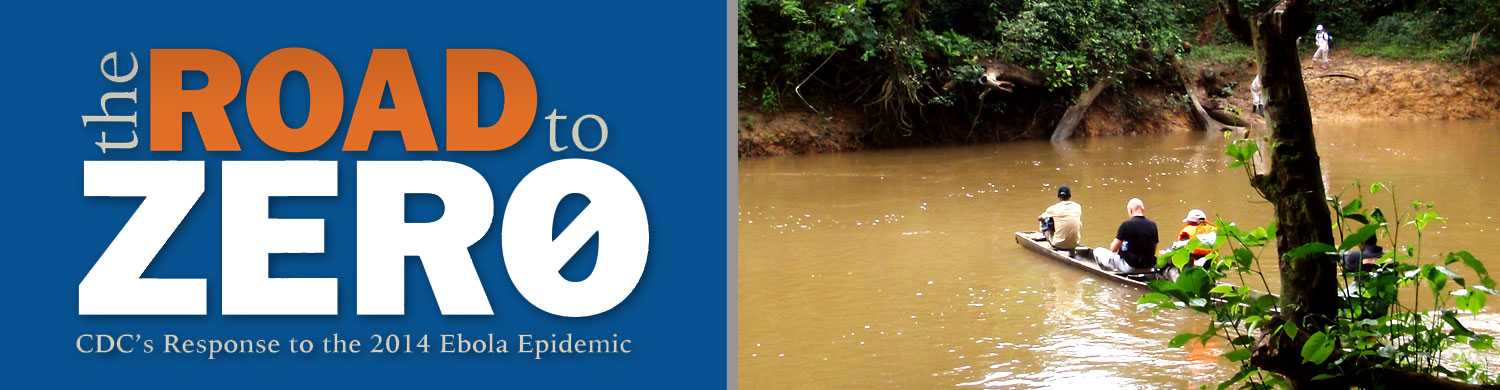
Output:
x=1336 y=74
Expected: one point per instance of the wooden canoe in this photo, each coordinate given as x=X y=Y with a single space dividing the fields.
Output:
x=1034 y=242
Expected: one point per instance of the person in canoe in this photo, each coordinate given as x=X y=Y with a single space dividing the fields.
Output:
x=1134 y=247
x=1062 y=223
x=1196 y=226
x=1363 y=262
x=1365 y=258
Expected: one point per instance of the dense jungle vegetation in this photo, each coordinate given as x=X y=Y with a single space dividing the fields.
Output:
x=926 y=71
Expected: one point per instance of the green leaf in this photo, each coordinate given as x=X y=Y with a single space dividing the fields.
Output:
x=1156 y=300
x=1193 y=281
x=1317 y=348
x=1425 y=218
x=1482 y=342
x=1435 y=280
x=1181 y=339
x=1324 y=377
x=1458 y=327
x=1264 y=303
x=1450 y=274
x=1473 y=264
x=1358 y=237
x=1180 y=257
x=1259 y=236
x=1290 y=329
x=1352 y=208
x=1242 y=151
x=1243 y=257
x=1162 y=285
x=1476 y=302
x=1306 y=250
x=1229 y=229
x=1243 y=340
x=1237 y=354
x=1462 y=300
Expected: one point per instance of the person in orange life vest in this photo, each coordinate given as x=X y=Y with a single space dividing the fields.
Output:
x=1197 y=226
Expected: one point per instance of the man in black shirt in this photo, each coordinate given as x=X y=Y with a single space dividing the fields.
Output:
x=1134 y=247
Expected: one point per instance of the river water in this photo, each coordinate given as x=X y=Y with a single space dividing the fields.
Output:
x=897 y=268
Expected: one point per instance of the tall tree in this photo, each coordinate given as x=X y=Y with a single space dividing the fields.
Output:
x=1291 y=179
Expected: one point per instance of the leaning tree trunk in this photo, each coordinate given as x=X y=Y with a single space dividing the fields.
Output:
x=1074 y=115
x=1292 y=183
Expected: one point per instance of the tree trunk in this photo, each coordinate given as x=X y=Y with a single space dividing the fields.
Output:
x=1292 y=183
x=1074 y=115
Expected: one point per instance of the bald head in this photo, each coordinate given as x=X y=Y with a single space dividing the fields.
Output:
x=1135 y=207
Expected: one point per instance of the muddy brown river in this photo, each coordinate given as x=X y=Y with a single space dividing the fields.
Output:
x=897 y=268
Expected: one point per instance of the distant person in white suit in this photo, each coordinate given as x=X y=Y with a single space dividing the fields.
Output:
x=1258 y=104
x=1321 y=39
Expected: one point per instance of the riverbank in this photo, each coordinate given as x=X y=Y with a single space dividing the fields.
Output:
x=1380 y=89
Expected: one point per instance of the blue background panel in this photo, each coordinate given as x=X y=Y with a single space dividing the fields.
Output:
x=655 y=72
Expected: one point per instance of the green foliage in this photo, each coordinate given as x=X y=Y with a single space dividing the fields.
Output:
x=1378 y=324
x=1219 y=54
x=1074 y=43
x=1425 y=30
x=1411 y=36
x=918 y=46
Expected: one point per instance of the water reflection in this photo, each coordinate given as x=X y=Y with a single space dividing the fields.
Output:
x=896 y=269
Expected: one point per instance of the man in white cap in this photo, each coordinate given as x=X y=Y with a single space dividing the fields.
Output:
x=1196 y=226
x=1321 y=39
x=1134 y=247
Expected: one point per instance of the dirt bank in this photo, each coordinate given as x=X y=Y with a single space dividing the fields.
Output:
x=1385 y=89
x=799 y=132
x=1144 y=110
x=1148 y=109
x=1390 y=89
